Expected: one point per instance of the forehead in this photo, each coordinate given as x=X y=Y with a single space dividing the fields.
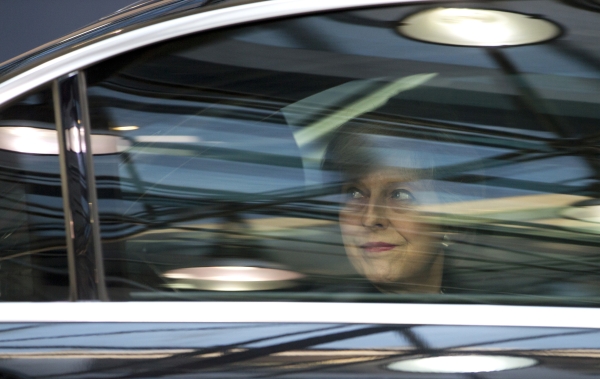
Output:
x=388 y=175
x=396 y=152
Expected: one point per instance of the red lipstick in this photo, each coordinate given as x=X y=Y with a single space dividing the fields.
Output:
x=377 y=247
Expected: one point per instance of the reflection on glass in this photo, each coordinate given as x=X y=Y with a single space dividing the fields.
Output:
x=232 y=278
x=33 y=260
x=125 y=128
x=477 y=27
x=467 y=159
x=23 y=139
x=462 y=364
x=588 y=211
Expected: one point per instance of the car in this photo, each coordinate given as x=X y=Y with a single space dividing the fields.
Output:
x=299 y=188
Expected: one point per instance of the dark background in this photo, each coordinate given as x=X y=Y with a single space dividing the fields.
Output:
x=26 y=24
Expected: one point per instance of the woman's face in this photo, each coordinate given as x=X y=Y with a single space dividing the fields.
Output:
x=382 y=237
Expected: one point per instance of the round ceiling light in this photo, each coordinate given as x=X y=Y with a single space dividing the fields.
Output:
x=477 y=27
x=233 y=278
x=462 y=364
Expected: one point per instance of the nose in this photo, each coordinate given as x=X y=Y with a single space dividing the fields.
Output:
x=374 y=215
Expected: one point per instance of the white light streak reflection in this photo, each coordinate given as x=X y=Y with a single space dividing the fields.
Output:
x=168 y=139
x=462 y=364
x=124 y=128
x=40 y=141
x=96 y=354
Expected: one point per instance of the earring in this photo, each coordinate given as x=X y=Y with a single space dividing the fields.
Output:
x=446 y=241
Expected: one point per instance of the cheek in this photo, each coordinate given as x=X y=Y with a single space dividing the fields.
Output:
x=349 y=220
x=349 y=231
x=362 y=266
x=407 y=226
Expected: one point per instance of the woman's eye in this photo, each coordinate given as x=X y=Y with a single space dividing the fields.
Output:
x=354 y=194
x=402 y=196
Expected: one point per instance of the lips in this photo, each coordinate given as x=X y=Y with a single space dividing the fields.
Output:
x=377 y=247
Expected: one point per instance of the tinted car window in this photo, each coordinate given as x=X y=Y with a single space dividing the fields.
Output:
x=33 y=260
x=261 y=161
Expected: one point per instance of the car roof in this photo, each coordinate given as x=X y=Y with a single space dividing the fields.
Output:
x=144 y=25
x=138 y=14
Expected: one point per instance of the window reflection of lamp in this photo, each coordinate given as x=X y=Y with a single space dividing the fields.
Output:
x=236 y=262
x=125 y=128
x=477 y=27
x=40 y=141
x=454 y=364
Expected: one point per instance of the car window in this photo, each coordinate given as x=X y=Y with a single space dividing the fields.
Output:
x=33 y=260
x=329 y=157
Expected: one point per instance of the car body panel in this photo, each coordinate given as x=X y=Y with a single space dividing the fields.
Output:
x=323 y=350
x=120 y=39
x=307 y=312
x=133 y=15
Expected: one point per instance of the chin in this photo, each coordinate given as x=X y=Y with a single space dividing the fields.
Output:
x=382 y=278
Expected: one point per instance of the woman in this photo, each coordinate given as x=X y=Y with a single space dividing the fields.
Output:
x=384 y=179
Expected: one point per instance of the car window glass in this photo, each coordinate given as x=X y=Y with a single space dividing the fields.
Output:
x=328 y=156
x=33 y=260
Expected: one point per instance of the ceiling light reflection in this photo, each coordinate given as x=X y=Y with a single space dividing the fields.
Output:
x=28 y=140
x=477 y=27
x=73 y=141
x=234 y=278
x=40 y=141
x=462 y=364
x=125 y=128
x=167 y=139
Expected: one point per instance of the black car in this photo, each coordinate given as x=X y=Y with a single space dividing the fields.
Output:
x=298 y=188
